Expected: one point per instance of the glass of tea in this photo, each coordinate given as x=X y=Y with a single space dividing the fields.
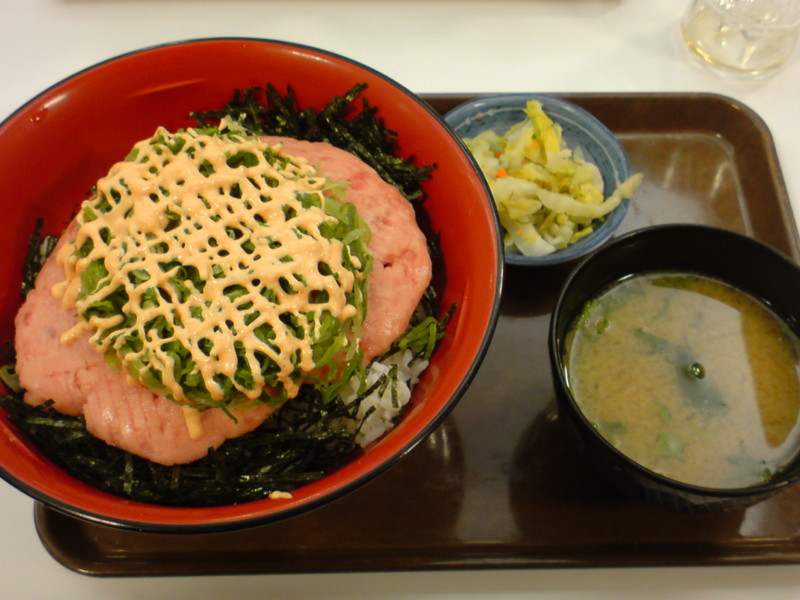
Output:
x=742 y=38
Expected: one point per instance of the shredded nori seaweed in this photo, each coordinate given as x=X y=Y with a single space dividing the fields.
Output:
x=298 y=445
x=304 y=440
x=39 y=249
x=265 y=111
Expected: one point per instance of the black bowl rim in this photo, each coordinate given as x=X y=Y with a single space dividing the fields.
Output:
x=780 y=480
x=94 y=517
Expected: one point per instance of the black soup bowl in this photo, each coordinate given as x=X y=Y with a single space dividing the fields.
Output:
x=742 y=262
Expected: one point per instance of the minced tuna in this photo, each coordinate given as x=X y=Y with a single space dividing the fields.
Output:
x=125 y=414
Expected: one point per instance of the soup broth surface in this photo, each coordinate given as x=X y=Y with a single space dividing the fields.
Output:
x=690 y=377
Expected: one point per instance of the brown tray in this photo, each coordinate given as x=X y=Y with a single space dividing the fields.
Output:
x=498 y=485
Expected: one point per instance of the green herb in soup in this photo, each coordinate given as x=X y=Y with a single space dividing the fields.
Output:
x=690 y=377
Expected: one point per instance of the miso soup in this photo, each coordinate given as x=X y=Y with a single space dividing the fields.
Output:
x=689 y=377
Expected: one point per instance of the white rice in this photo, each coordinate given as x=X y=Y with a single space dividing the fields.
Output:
x=388 y=400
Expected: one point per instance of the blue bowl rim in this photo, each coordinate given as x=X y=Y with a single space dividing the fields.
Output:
x=557 y=106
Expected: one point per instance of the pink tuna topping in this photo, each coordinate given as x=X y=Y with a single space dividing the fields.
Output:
x=127 y=415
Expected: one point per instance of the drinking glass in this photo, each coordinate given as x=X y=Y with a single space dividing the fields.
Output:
x=742 y=38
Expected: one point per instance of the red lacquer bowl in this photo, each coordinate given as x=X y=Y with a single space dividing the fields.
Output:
x=57 y=145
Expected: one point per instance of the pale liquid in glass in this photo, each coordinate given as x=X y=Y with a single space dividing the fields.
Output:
x=742 y=38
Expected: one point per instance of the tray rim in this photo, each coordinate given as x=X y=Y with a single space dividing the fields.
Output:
x=481 y=556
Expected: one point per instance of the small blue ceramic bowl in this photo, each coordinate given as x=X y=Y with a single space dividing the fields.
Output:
x=580 y=129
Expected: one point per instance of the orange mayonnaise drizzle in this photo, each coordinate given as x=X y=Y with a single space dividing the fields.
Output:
x=136 y=237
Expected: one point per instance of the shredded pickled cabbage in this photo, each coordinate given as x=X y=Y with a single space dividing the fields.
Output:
x=547 y=195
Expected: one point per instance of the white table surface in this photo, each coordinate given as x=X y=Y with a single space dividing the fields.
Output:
x=429 y=46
